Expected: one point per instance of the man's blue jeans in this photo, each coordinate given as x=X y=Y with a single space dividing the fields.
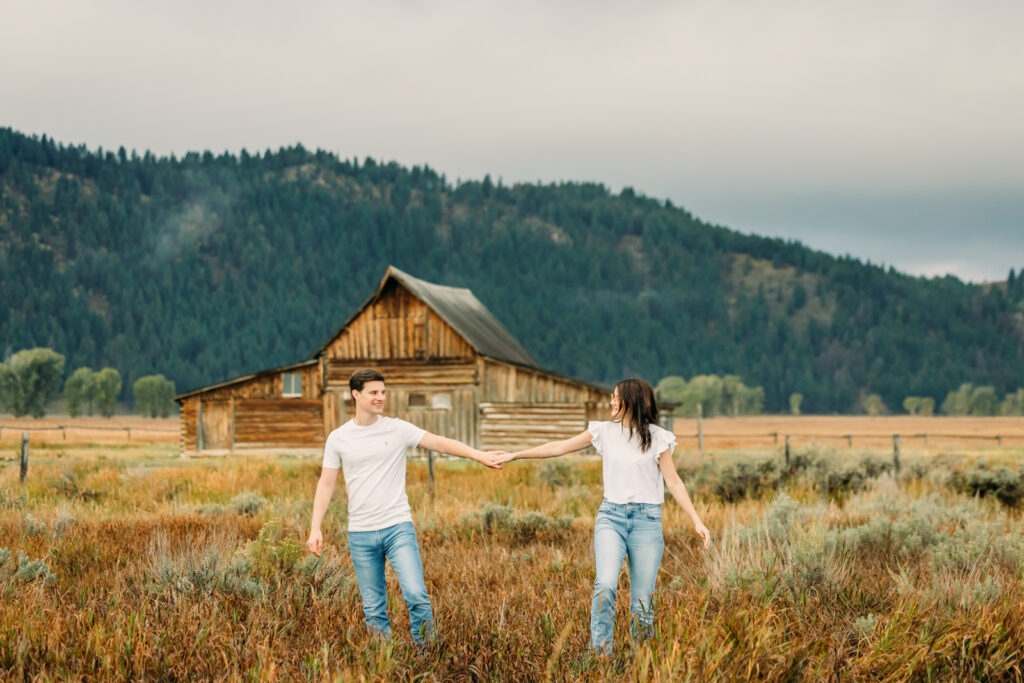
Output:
x=622 y=529
x=398 y=545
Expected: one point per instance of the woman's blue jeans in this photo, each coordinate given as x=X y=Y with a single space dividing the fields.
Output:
x=633 y=530
x=398 y=545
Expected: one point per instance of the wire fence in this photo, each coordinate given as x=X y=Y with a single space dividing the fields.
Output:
x=13 y=432
x=704 y=440
x=862 y=438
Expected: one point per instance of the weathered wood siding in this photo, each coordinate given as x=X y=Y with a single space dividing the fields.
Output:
x=514 y=426
x=413 y=374
x=521 y=407
x=267 y=386
x=398 y=326
x=279 y=423
x=215 y=423
x=189 y=425
x=430 y=380
x=507 y=383
x=254 y=414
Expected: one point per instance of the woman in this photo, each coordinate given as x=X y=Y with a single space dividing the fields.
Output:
x=637 y=456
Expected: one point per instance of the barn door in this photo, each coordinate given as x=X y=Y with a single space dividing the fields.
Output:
x=216 y=425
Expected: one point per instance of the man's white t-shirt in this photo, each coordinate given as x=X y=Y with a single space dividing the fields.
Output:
x=630 y=474
x=372 y=459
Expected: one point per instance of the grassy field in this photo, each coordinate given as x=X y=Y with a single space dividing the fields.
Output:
x=119 y=429
x=128 y=562
x=760 y=431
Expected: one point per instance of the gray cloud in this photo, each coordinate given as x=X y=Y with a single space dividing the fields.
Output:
x=749 y=113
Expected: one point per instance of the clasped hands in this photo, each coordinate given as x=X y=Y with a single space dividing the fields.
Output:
x=495 y=459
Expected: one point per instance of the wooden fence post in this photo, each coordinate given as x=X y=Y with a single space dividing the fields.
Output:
x=776 y=436
x=64 y=430
x=896 y=451
x=926 y=439
x=999 y=439
x=787 y=451
x=849 y=440
x=24 y=456
x=700 y=427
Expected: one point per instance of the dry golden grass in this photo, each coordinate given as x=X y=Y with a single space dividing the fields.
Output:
x=120 y=429
x=159 y=573
x=754 y=431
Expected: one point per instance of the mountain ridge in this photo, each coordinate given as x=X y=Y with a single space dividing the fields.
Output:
x=208 y=267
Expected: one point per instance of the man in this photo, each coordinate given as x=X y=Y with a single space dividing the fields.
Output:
x=371 y=449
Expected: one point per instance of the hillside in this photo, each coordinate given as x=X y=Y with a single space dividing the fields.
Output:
x=207 y=267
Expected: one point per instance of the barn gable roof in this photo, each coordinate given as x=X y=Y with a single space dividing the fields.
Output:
x=459 y=308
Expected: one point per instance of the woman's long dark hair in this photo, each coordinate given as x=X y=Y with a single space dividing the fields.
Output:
x=638 y=407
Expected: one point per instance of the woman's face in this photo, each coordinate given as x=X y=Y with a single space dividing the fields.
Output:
x=616 y=403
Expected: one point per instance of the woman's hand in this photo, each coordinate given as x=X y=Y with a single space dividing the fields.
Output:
x=316 y=542
x=703 y=532
x=492 y=459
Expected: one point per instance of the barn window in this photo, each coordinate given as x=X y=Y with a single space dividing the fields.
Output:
x=291 y=384
x=417 y=400
x=441 y=401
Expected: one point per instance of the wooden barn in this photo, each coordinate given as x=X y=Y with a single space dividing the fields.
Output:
x=451 y=367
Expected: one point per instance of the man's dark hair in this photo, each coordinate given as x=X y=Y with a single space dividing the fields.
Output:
x=359 y=378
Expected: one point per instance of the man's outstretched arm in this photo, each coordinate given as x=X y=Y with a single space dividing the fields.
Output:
x=442 y=444
x=324 y=491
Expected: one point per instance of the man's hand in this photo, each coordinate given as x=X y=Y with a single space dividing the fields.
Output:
x=315 y=543
x=507 y=457
x=492 y=459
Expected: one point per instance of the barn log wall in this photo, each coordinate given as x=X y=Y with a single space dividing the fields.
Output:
x=522 y=407
x=506 y=383
x=413 y=374
x=253 y=414
x=450 y=384
x=513 y=426
x=279 y=423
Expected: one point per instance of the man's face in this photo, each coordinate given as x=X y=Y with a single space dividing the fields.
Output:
x=372 y=398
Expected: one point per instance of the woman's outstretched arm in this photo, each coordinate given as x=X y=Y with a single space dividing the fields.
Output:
x=552 y=449
x=678 y=490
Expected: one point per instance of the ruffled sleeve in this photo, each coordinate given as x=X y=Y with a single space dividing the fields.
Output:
x=661 y=439
x=596 y=430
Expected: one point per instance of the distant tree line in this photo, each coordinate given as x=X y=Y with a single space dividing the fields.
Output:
x=30 y=381
x=711 y=395
x=210 y=266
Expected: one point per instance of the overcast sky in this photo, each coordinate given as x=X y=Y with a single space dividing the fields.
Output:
x=892 y=130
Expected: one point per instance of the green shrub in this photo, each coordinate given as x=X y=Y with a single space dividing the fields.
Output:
x=34 y=570
x=1005 y=484
x=5 y=559
x=525 y=528
x=327 y=580
x=746 y=479
x=865 y=626
x=33 y=526
x=212 y=570
x=555 y=473
x=247 y=503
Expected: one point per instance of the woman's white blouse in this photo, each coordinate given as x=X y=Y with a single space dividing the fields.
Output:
x=630 y=474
